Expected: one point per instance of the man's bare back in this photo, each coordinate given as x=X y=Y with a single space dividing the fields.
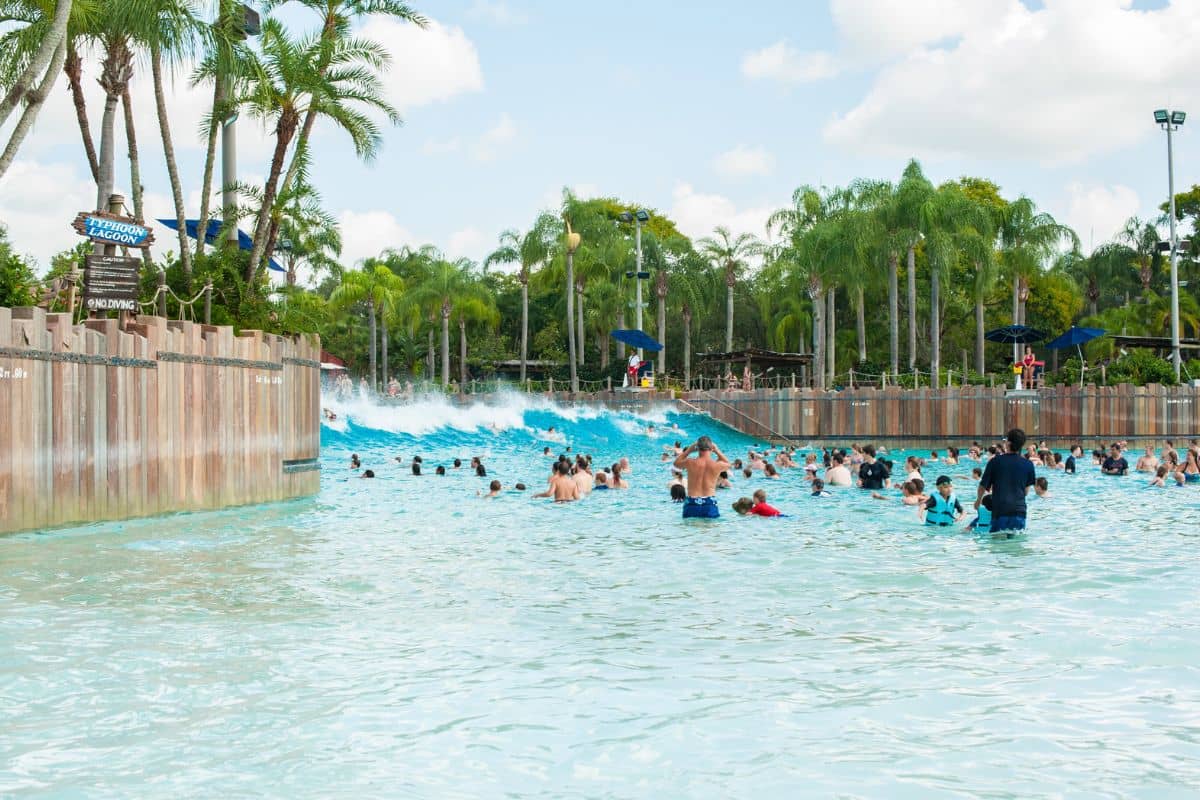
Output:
x=703 y=470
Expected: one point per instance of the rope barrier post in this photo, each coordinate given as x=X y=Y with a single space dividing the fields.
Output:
x=161 y=294
x=852 y=377
x=208 y=303
x=74 y=278
x=793 y=380
x=551 y=384
x=610 y=384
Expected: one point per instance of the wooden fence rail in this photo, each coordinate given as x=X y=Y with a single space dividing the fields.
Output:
x=97 y=423
x=894 y=415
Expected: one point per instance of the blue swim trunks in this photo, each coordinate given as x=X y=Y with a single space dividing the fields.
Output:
x=702 y=507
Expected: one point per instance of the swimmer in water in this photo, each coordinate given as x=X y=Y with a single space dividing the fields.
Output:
x=818 y=488
x=354 y=462
x=761 y=508
x=601 y=482
x=493 y=490
x=562 y=486
x=1041 y=487
x=678 y=493
x=368 y=473
x=702 y=474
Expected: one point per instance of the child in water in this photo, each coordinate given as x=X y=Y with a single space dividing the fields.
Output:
x=818 y=489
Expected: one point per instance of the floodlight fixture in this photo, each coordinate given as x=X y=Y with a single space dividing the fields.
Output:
x=644 y=216
x=1177 y=117
x=1161 y=116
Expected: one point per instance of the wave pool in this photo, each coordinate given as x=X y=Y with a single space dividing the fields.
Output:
x=401 y=637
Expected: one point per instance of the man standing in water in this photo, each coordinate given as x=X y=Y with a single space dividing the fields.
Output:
x=702 y=474
x=1009 y=477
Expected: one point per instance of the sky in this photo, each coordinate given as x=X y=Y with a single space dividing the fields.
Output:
x=710 y=113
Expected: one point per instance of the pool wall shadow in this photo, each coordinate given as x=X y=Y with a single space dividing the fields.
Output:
x=100 y=423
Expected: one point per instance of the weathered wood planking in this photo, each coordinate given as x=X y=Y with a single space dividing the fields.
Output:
x=958 y=415
x=99 y=423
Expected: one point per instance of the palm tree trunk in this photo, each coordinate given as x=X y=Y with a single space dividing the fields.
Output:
x=912 y=307
x=104 y=186
x=210 y=157
x=817 y=295
x=662 y=334
x=164 y=129
x=687 y=349
x=429 y=355
x=383 y=355
x=285 y=129
x=894 y=311
x=602 y=348
x=74 y=72
x=728 y=315
x=35 y=70
x=618 y=347
x=571 y=320
x=979 y=360
x=935 y=330
x=135 y=169
x=371 y=348
x=861 y=321
x=445 y=344
x=579 y=315
x=462 y=355
x=1016 y=315
x=34 y=99
x=831 y=334
x=524 y=323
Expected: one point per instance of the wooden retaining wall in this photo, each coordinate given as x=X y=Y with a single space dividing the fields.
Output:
x=101 y=424
x=901 y=417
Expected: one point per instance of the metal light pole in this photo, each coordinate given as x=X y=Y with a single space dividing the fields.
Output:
x=242 y=21
x=1171 y=121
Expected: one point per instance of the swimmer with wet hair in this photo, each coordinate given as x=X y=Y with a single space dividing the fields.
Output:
x=493 y=490
x=678 y=493
x=354 y=462
x=440 y=470
x=368 y=473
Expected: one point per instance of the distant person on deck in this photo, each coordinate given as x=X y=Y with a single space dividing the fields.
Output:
x=1027 y=363
x=702 y=474
x=1008 y=477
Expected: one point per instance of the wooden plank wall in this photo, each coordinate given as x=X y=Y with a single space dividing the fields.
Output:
x=100 y=423
x=949 y=416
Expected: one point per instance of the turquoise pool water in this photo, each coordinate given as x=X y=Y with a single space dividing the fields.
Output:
x=402 y=638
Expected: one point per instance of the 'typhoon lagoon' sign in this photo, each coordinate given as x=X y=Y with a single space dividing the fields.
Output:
x=113 y=229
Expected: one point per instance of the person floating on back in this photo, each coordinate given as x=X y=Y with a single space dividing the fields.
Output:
x=702 y=473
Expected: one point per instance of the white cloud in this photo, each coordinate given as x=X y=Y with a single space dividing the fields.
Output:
x=368 y=233
x=1098 y=213
x=469 y=242
x=696 y=214
x=38 y=202
x=429 y=65
x=496 y=12
x=743 y=161
x=489 y=145
x=786 y=64
x=441 y=147
x=1046 y=84
x=876 y=30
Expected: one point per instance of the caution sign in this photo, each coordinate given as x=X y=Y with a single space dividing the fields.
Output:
x=110 y=283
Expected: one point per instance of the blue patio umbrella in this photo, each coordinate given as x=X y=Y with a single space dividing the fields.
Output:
x=1015 y=334
x=636 y=339
x=214 y=230
x=1076 y=337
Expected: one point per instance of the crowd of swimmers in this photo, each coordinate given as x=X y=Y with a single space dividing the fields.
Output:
x=1004 y=475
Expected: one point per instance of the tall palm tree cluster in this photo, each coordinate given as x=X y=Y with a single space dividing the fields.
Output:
x=284 y=79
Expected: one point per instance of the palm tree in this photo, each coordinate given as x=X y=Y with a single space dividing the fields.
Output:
x=171 y=39
x=479 y=307
x=447 y=286
x=529 y=250
x=375 y=285
x=914 y=191
x=729 y=253
x=1141 y=239
x=32 y=56
x=287 y=83
x=309 y=234
x=1027 y=239
x=337 y=18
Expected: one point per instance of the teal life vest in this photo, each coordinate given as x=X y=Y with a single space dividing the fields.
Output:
x=943 y=512
x=985 y=518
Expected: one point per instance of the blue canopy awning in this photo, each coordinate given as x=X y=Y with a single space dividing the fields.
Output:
x=214 y=229
x=635 y=338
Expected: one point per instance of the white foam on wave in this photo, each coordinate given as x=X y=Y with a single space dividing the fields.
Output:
x=428 y=413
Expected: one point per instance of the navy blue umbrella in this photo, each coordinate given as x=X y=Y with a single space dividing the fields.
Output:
x=1077 y=337
x=637 y=339
x=214 y=229
x=1015 y=334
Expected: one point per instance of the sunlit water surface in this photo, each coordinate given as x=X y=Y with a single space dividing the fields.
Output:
x=403 y=638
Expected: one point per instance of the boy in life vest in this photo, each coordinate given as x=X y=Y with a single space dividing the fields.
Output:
x=942 y=508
